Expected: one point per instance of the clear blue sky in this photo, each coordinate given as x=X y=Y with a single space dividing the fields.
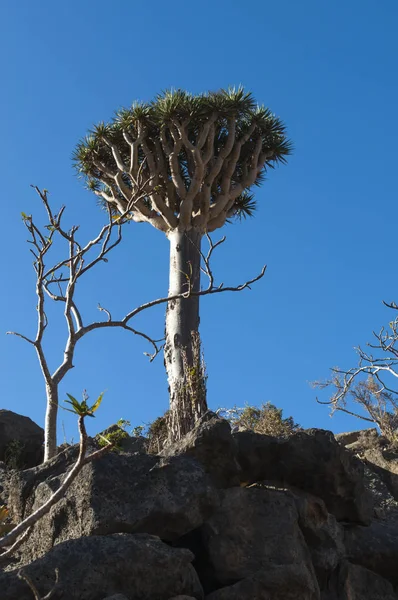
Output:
x=326 y=226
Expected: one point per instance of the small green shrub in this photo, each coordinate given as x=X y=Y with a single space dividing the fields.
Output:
x=5 y=526
x=157 y=434
x=13 y=454
x=266 y=419
x=115 y=437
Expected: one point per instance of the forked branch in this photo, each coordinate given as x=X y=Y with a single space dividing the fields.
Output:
x=369 y=384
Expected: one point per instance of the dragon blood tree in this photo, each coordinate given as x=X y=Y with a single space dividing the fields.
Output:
x=185 y=165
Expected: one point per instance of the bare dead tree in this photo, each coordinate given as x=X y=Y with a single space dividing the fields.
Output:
x=51 y=283
x=20 y=532
x=37 y=596
x=185 y=165
x=369 y=384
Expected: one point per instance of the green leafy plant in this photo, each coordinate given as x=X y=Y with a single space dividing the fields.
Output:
x=157 y=433
x=138 y=431
x=82 y=409
x=5 y=527
x=123 y=423
x=13 y=454
x=114 y=437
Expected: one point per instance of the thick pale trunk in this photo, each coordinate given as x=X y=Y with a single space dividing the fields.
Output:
x=183 y=361
x=50 y=428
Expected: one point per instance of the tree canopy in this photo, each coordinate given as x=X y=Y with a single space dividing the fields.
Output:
x=183 y=160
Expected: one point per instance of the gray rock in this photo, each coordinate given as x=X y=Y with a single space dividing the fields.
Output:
x=124 y=493
x=323 y=534
x=23 y=483
x=21 y=440
x=211 y=444
x=380 y=460
x=252 y=529
x=137 y=566
x=182 y=598
x=5 y=480
x=385 y=505
x=116 y=597
x=352 y=582
x=350 y=437
x=375 y=548
x=365 y=439
x=288 y=582
x=312 y=461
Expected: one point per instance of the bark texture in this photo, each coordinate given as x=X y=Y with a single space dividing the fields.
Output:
x=183 y=360
x=50 y=441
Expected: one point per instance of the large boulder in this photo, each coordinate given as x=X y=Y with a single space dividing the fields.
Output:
x=356 y=439
x=124 y=493
x=253 y=529
x=323 y=534
x=385 y=506
x=375 y=548
x=21 y=440
x=312 y=461
x=380 y=460
x=288 y=582
x=352 y=582
x=210 y=442
x=90 y=568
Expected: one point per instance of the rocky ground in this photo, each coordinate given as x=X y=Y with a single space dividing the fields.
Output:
x=218 y=516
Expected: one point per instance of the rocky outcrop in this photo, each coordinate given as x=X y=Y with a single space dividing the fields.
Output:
x=375 y=547
x=252 y=529
x=217 y=516
x=21 y=440
x=211 y=444
x=312 y=461
x=91 y=568
x=322 y=533
x=352 y=582
x=276 y=583
x=123 y=493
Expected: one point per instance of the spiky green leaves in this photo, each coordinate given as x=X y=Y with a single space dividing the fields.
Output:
x=175 y=144
x=82 y=409
x=244 y=206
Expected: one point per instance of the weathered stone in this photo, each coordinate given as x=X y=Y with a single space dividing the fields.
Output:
x=375 y=548
x=348 y=437
x=365 y=439
x=312 y=461
x=252 y=529
x=23 y=483
x=137 y=566
x=323 y=534
x=125 y=493
x=288 y=582
x=211 y=444
x=380 y=460
x=352 y=582
x=116 y=597
x=385 y=506
x=21 y=440
x=182 y=598
x=384 y=463
x=5 y=480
